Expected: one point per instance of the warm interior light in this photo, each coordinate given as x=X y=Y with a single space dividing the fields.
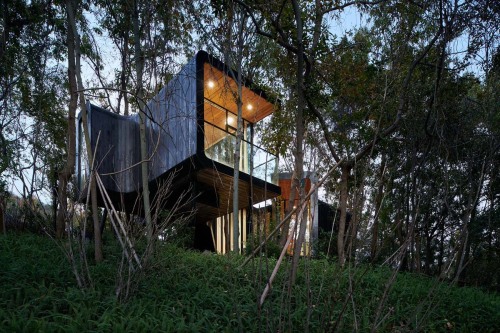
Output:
x=249 y=107
x=230 y=120
x=210 y=84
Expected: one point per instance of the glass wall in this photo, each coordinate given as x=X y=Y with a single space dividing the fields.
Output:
x=220 y=143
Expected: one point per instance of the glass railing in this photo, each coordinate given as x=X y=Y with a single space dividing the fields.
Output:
x=265 y=165
x=220 y=146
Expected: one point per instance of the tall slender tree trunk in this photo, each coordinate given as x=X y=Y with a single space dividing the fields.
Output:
x=464 y=246
x=378 y=206
x=299 y=152
x=239 y=134
x=344 y=188
x=123 y=76
x=71 y=11
x=467 y=216
x=429 y=253
x=236 y=174
x=139 y=67
x=357 y=208
x=288 y=208
x=441 y=249
x=3 y=228
x=65 y=174
x=417 y=261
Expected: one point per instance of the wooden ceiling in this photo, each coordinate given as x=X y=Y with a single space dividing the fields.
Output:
x=222 y=90
x=215 y=115
x=222 y=184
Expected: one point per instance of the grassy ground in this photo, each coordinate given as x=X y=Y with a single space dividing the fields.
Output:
x=187 y=291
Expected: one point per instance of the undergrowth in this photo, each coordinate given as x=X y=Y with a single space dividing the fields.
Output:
x=186 y=291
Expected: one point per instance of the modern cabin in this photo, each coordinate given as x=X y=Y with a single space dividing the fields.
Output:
x=190 y=133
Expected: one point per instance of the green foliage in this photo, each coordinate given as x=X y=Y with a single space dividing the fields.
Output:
x=191 y=292
x=271 y=249
x=326 y=245
x=180 y=235
x=26 y=215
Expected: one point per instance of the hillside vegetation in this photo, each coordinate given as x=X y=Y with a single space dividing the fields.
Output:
x=186 y=291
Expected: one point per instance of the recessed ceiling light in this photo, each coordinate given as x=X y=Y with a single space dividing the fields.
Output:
x=249 y=107
x=230 y=120
x=210 y=84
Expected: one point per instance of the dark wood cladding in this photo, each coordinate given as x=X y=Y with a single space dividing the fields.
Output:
x=172 y=122
x=171 y=134
x=115 y=139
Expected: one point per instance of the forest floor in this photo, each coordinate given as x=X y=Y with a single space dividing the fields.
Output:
x=187 y=291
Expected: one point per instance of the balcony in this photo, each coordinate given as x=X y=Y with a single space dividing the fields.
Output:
x=255 y=161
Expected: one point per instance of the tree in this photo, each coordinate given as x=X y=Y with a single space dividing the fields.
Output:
x=69 y=169
x=139 y=67
x=31 y=113
x=76 y=86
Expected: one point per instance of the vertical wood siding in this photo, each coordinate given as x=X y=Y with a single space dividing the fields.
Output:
x=171 y=134
x=172 y=122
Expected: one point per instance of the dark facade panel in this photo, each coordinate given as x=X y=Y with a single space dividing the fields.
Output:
x=171 y=135
x=117 y=149
x=172 y=122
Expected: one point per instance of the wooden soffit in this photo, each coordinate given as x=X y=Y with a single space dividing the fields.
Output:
x=222 y=90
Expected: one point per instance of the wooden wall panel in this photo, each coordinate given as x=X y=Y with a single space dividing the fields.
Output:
x=116 y=150
x=286 y=185
x=171 y=134
x=173 y=123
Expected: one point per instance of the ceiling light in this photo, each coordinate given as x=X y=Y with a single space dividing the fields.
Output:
x=210 y=84
x=230 y=120
x=249 y=107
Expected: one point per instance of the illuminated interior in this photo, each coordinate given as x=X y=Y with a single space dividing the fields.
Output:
x=220 y=115
x=221 y=90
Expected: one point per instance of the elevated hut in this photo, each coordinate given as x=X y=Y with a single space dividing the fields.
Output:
x=191 y=131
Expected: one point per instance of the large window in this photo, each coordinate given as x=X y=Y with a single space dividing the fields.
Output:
x=220 y=143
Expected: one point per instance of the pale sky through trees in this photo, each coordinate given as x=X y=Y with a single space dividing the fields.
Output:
x=348 y=20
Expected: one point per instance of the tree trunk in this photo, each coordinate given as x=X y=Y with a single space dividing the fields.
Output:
x=287 y=209
x=378 y=206
x=65 y=174
x=139 y=67
x=344 y=178
x=442 y=240
x=417 y=261
x=359 y=201
x=3 y=228
x=71 y=11
x=429 y=255
x=467 y=216
x=53 y=187
x=299 y=152
x=464 y=246
x=239 y=136
x=124 y=76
